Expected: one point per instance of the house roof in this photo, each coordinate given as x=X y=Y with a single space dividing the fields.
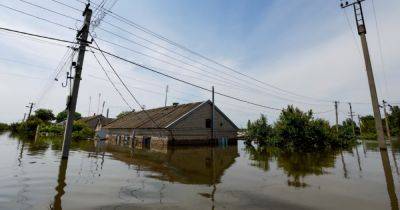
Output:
x=93 y=120
x=160 y=117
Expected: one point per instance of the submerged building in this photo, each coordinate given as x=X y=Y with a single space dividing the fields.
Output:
x=185 y=124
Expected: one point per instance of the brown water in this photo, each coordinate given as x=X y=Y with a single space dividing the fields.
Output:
x=105 y=176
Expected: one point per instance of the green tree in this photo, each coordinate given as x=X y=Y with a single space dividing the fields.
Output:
x=123 y=113
x=259 y=130
x=394 y=120
x=46 y=115
x=63 y=116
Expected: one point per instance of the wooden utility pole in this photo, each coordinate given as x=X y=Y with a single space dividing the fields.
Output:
x=30 y=109
x=166 y=96
x=386 y=120
x=72 y=99
x=352 y=119
x=337 y=117
x=23 y=119
x=362 y=31
x=213 y=116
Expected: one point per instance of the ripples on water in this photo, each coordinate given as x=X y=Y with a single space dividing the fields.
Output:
x=102 y=175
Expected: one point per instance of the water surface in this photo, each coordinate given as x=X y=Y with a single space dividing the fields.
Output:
x=110 y=176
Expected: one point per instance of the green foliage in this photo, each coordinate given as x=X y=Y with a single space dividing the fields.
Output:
x=123 y=113
x=80 y=131
x=46 y=115
x=259 y=130
x=63 y=116
x=299 y=130
x=394 y=120
x=3 y=127
x=52 y=129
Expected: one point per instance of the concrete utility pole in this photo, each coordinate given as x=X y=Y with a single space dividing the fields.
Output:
x=362 y=31
x=213 y=116
x=102 y=107
x=352 y=119
x=108 y=112
x=90 y=104
x=30 y=109
x=337 y=117
x=166 y=96
x=98 y=104
x=386 y=120
x=72 y=99
x=359 y=124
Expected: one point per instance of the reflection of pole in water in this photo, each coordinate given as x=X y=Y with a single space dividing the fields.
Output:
x=60 y=186
x=358 y=159
x=389 y=179
x=344 y=165
x=395 y=161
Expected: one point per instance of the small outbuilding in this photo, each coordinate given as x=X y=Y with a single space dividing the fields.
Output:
x=185 y=124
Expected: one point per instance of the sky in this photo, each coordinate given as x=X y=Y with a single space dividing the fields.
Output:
x=308 y=49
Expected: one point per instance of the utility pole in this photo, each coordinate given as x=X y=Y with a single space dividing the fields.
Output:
x=213 y=116
x=362 y=31
x=81 y=37
x=352 y=119
x=23 y=119
x=337 y=117
x=359 y=124
x=90 y=104
x=30 y=109
x=386 y=120
x=108 y=112
x=102 y=107
x=98 y=104
x=166 y=96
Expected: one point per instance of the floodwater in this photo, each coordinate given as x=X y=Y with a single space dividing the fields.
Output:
x=109 y=176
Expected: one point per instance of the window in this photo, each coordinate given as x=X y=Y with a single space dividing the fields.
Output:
x=208 y=123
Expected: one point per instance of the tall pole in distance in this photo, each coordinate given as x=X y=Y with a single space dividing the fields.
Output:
x=90 y=104
x=352 y=119
x=166 y=96
x=72 y=99
x=30 y=109
x=386 y=120
x=337 y=117
x=23 y=119
x=213 y=116
x=359 y=124
x=362 y=31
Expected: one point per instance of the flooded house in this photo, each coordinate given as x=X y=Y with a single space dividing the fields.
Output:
x=179 y=124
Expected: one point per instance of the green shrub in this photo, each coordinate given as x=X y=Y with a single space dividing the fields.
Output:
x=4 y=127
x=81 y=131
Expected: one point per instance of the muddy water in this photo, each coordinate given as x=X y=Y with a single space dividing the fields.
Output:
x=109 y=176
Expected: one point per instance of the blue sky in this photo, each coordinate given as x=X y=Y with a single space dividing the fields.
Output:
x=304 y=46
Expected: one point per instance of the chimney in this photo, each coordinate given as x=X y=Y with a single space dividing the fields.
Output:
x=175 y=104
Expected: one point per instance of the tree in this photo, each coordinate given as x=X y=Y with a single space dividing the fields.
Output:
x=63 y=116
x=123 y=113
x=259 y=130
x=46 y=115
x=394 y=120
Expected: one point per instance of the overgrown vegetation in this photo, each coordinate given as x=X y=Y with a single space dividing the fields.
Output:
x=368 y=130
x=3 y=127
x=299 y=130
x=44 y=118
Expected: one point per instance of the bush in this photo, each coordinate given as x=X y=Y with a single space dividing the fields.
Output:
x=54 y=130
x=4 y=127
x=81 y=131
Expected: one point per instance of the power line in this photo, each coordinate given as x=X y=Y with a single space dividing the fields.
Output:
x=135 y=25
x=50 y=10
x=180 y=80
x=36 y=35
x=123 y=83
x=112 y=83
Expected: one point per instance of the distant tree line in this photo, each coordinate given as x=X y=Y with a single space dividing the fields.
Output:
x=50 y=124
x=368 y=131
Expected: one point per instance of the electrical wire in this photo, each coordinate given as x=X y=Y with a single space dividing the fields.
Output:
x=137 y=26
x=112 y=83
x=37 y=17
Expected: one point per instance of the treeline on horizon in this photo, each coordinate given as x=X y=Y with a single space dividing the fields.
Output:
x=296 y=129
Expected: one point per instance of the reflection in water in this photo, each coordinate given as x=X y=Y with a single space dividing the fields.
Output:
x=60 y=185
x=106 y=175
x=389 y=179
x=296 y=165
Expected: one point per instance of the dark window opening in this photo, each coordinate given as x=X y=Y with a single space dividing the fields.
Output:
x=208 y=123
